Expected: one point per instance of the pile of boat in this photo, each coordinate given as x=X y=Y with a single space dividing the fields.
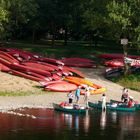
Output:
x=52 y=74
x=115 y=64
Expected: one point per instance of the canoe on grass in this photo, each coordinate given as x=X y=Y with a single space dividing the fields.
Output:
x=68 y=109
x=113 y=108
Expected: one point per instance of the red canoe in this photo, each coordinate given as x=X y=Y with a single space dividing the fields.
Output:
x=78 y=62
x=39 y=66
x=76 y=59
x=24 y=75
x=61 y=87
x=74 y=71
x=4 y=68
x=115 y=63
x=26 y=68
x=116 y=56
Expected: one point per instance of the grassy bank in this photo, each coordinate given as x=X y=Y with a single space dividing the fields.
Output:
x=131 y=81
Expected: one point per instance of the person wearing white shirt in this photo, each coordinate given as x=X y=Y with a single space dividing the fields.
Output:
x=103 y=102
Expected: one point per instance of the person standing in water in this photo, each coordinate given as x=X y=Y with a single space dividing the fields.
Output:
x=87 y=94
x=103 y=102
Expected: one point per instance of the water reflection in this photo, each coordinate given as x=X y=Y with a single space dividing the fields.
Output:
x=114 y=117
x=103 y=120
x=86 y=122
x=127 y=121
x=77 y=123
x=68 y=120
x=58 y=125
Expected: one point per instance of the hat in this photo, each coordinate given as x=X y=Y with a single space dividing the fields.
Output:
x=131 y=97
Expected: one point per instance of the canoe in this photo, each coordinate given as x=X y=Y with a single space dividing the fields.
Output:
x=78 y=62
x=23 y=68
x=115 y=63
x=4 y=68
x=78 y=81
x=109 y=107
x=94 y=92
x=77 y=59
x=37 y=65
x=68 y=110
x=136 y=104
x=116 y=56
x=62 y=86
x=74 y=71
x=25 y=75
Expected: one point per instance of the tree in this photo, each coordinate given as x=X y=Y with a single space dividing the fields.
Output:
x=94 y=16
x=120 y=14
x=3 y=19
x=20 y=12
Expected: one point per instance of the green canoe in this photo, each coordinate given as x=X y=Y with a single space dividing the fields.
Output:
x=109 y=107
x=68 y=110
x=135 y=105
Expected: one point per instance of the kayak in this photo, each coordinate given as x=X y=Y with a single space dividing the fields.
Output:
x=94 y=91
x=78 y=81
x=111 y=107
x=68 y=109
x=62 y=86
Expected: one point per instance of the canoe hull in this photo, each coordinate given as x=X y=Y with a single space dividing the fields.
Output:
x=59 y=108
x=119 y=108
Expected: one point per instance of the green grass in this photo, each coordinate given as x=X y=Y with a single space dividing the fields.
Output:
x=8 y=93
x=131 y=81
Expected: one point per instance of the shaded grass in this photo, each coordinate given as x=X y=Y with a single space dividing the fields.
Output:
x=131 y=81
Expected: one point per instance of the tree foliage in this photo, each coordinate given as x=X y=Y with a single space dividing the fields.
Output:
x=109 y=18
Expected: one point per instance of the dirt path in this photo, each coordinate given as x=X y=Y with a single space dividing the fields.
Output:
x=17 y=84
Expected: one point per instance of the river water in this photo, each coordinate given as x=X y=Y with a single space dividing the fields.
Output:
x=39 y=124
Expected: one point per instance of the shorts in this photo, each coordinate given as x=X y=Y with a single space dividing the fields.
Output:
x=70 y=101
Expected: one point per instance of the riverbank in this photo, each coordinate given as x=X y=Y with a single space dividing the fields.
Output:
x=44 y=99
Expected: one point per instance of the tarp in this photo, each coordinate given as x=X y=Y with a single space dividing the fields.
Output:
x=132 y=62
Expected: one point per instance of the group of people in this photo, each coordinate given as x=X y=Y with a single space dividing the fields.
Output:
x=76 y=95
x=125 y=99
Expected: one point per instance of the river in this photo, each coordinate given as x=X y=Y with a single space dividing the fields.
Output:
x=39 y=124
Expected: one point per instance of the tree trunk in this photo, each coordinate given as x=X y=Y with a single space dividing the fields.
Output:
x=53 y=35
x=90 y=37
x=126 y=66
x=66 y=36
x=33 y=35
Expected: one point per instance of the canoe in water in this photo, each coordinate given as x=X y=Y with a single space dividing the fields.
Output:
x=119 y=102
x=61 y=87
x=68 y=109
x=109 y=107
